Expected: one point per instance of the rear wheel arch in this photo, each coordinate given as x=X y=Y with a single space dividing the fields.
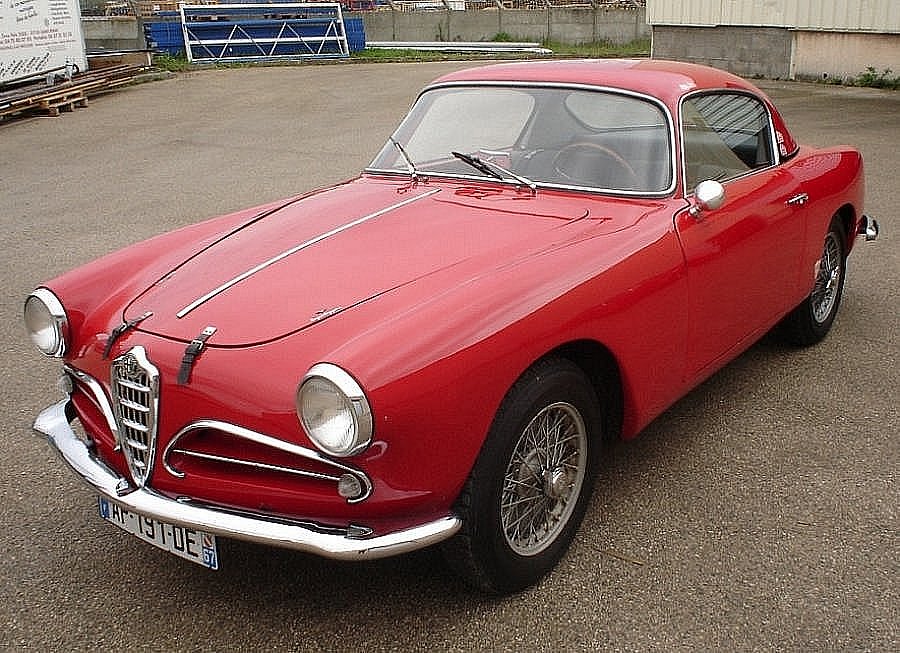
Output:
x=810 y=321
x=847 y=217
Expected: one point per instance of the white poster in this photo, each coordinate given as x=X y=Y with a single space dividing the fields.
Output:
x=37 y=36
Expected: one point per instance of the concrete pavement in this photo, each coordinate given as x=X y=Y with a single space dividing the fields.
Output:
x=759 y=513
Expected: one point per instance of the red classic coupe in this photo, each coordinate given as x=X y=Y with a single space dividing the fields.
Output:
x=543 y=255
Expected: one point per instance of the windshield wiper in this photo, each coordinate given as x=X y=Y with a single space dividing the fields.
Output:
x=479 y=164
x=410 y=166
x=495 y=170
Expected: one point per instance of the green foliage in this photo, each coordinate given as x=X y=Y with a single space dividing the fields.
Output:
x=391 y=55
x=171 y=64
x=604 y=49
x=600 y=49
x=874 y=79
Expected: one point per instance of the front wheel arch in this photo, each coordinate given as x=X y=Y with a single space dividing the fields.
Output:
x=602 y=369
x=531 y=484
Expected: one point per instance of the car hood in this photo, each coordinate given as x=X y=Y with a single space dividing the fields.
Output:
x=322 y=254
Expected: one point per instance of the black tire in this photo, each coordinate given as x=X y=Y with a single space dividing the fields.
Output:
x=528 y=490
x=809 y=322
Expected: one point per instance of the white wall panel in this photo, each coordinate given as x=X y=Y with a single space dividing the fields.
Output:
x=684 y=12
x=768 y=13
x=882 y=16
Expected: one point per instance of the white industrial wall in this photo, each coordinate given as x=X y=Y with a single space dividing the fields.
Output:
x=880 y=16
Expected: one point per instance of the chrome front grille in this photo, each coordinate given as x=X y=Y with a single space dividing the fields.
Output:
x=134 y=386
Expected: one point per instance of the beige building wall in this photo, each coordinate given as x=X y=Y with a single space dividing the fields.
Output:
x=843 y=54
x=828 y=38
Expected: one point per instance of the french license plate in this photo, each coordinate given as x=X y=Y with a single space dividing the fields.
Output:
x=187 y=543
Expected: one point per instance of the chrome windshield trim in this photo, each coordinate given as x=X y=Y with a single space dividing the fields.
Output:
x=670 y=132
x=343 y=544
x=266 y=441
x=293 y=250
x=594 y=190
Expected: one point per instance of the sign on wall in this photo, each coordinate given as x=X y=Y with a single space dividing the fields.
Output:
x=37 y=36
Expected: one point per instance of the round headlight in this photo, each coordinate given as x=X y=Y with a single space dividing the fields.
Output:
x=46 y=322
x=334 y=410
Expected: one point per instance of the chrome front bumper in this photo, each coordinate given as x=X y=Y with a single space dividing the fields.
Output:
x=329 y=542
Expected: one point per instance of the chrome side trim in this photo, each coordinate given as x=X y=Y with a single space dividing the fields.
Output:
x=99 y=398
x=266 y=441
x=256 y=465
x=293 y=250
x=345 y=544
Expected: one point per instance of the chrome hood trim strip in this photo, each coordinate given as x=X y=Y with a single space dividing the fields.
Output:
x=293 y=250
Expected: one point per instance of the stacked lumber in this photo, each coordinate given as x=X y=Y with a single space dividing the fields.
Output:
x=65 y=96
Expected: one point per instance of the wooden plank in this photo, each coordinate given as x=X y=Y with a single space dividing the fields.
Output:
x=65 y=96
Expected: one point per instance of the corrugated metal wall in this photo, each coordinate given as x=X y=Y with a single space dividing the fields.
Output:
x=881 y=16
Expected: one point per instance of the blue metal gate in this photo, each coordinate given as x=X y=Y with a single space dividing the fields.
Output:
x=244 y=32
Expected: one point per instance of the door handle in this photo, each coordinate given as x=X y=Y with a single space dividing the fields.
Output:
x=798 y=200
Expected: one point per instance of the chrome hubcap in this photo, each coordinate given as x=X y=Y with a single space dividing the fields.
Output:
x=828 y=276
x=543 y=479
x=556 y=482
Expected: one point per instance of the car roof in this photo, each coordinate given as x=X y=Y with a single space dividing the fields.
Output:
x=669 y=81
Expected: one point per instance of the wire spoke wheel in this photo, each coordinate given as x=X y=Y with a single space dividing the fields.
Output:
x=531 y=484
x=543 y=479
x=811 y=320
x=828 y=278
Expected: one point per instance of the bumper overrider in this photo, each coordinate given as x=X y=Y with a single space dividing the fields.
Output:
x=869 y=228
x=350 y=543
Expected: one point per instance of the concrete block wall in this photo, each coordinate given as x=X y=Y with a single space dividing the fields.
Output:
x=112 y=33
x=779 y=53
x=746 y=51
x=533 y=25
x=568 y=25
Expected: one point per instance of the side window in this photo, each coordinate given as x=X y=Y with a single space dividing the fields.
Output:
x=724 y=135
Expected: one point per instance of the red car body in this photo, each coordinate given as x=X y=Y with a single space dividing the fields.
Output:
x=436 y=293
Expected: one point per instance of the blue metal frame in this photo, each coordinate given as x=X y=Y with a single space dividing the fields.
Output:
x=253 y=32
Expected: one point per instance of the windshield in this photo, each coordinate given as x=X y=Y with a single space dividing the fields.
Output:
x=572 y=137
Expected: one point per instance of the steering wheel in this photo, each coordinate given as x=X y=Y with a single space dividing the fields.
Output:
x=584 y=164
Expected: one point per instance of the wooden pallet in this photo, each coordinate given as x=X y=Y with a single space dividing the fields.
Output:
x=66 y=96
